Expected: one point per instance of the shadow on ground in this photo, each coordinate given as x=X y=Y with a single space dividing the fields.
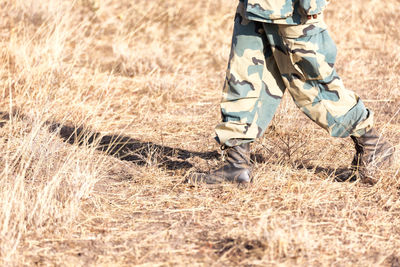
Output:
x=122 y=147
x=130 y=149
x=338 y=174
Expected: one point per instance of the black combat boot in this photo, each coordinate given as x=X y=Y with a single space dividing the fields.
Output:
x=237 y=168
x=372 y=154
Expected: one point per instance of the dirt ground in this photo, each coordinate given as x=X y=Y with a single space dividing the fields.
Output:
x=106 y=106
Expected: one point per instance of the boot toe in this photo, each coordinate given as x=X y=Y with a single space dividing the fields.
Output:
x=244 y=177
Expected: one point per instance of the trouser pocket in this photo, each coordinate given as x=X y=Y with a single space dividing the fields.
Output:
x=312 y=56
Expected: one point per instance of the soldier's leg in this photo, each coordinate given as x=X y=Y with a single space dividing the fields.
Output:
x=253 y=87
x=252 y=92
x=306 y=63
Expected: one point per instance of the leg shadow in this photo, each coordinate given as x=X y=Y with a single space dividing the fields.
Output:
x=130 y=149
x=127 y=148
x=338 y=175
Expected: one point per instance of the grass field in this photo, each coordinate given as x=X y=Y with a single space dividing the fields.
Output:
x=106 y=105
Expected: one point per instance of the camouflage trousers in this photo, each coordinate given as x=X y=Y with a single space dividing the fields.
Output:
x=268 y=59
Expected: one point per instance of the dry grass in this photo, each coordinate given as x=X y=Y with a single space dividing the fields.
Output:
x=106 y=105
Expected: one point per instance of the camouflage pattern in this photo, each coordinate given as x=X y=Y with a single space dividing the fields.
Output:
x=291 y=12
x=266 y=59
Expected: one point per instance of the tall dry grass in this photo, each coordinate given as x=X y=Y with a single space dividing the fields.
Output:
x=106 y=105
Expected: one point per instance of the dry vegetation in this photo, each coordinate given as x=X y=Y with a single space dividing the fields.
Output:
x=106 y=105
